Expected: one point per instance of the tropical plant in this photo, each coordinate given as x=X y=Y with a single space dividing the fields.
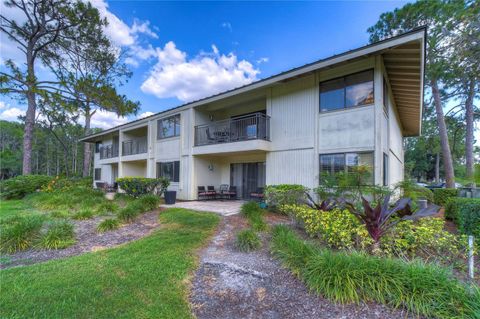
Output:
x=19 y=233
x=379 y=219
x=18 y=187
x=254 y=214
x=285 y=194
x=83 y=214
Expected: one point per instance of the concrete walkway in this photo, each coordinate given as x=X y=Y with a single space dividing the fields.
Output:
x=222 y=207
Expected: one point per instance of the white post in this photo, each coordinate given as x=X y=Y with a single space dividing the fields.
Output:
x=470 y=256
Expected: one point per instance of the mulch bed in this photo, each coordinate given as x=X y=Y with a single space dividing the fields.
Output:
x=87 y=240
x=233 y=284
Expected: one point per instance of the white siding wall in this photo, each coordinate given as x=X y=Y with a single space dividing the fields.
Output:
x=292 y=167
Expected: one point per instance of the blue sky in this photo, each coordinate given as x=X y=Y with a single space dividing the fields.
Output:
x=183 y=51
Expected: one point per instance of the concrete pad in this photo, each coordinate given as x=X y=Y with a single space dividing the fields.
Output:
x=222 y=207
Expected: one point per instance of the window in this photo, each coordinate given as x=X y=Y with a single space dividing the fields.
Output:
x=170 y=170
x=345 y=162
x=98 y=174
x=385 y=96
x=385 y=169
x=97 y=147
x=349 y=91
x=168 y=127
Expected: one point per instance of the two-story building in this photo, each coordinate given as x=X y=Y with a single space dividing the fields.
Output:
x=350 y=109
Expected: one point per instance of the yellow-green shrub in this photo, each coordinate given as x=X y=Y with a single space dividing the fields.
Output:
x=336 y=228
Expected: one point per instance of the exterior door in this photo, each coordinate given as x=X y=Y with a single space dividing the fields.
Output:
x=247 y=177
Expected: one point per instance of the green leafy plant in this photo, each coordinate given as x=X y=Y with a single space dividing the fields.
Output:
x=285 y=194
x=254 y=214
x=248 y=240
x=18 y=187
x=59 y=235
x=83 y=214
x=442 y=195
x=108 y=225
x=130 y=212
x=425 y=290
x=149 y=202
x=465 y=212
x=408 y=188
x=106 y=207
x=19 y=233
x=138 y=186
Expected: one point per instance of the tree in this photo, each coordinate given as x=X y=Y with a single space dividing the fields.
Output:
x=48 y=26
x=439 y=16
x=93 y=72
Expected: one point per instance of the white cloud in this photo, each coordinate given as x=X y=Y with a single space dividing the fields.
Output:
x=263 y=60
x=227 y=25
x=118 y=31
x=105 y=120
x=190 y=79
x=145 y=114
x=143 y=27
x=11 y=114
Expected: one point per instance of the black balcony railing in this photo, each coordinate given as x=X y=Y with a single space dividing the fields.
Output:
x=136 y=146
x=108 y=151
x=248 y=127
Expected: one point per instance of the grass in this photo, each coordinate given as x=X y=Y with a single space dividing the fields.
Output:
x=108 y=225
x=59 y=235
x=83 y=214
x=15 y=207
x=147 y=278
x=254 y=214
x=248 y=240
x=425 y=290
x=19 y=233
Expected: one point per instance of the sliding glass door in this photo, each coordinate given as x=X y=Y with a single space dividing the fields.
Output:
x=247 y=177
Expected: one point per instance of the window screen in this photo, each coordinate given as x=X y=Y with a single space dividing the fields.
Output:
x=168 y=127
x=98 y=174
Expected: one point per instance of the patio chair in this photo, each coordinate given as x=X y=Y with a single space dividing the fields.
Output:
x=210 y=138
x=211 y=192
x=231 y=193
x=222 y=190
x=258 y=194
x=202 y=193
x=101 y=185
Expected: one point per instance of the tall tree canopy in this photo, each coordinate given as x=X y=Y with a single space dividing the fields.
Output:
x=48 y=26
x=447 y=23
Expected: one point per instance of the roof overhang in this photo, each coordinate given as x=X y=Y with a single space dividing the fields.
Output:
x=403 y=55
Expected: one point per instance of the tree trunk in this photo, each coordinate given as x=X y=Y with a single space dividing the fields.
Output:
x=469 y=133
x=28 y=132
x=437 y=168
x=87 y=150
x=442 y=128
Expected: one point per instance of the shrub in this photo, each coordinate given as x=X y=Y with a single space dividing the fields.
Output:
x=59 y=235
x=336 y=228
x=465 y=212
x=442 y=195
x=248 y=240
x=353 y=277
x=18 y=187
x=285 y=194
x=254 y=214
x=108 y=225
x=83 y=214
x=138 y=186
x=19 y=233
x=149 y=202
x=60 y=214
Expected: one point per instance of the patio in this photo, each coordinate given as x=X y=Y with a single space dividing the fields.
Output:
x=224 y=208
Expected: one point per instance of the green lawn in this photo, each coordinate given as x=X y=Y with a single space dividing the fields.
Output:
x=147 y=278
x=16 y=207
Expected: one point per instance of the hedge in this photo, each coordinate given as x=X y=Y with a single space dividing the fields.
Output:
x=442 y=195
x=18 y=187
x=138 y=186
x=465 y=212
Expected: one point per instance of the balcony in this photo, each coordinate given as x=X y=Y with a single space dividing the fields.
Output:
x=109 y=151
x=245 y=128
x=135 y=146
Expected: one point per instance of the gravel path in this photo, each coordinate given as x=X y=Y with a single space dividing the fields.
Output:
x=231 y=284
x=87 y=240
